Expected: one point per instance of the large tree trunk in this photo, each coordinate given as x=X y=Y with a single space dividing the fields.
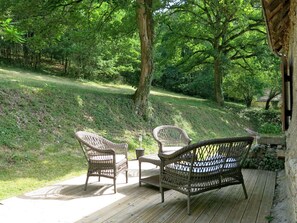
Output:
x=219 y=98
x=145 y=24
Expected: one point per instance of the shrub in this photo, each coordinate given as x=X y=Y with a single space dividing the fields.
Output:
x=270 y=128
x=265 y=121
x=263 y=157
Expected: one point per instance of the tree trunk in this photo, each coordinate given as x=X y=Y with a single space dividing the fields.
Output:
x=272 y=94
x=145 y=25
x=267 y=104
x=26 y=54
x=248 y=102
x=66 y=66
x=219 y=98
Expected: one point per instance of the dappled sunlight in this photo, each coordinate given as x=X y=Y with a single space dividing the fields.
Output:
x=35 y=89
x=111 y=88
x=79 y=100
x=89 y=118
x=224 y=120
x=159 y=92
x=5 y=73
x=116 y=88
x=182 y=123
x=103 y=87
x=45 y=162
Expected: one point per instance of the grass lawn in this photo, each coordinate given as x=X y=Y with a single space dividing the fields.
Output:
x=39 y=115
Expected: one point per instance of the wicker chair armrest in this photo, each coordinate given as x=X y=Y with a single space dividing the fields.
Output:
x=120 y=148
x=187 y=138
x=94 y=148
x=174 y=155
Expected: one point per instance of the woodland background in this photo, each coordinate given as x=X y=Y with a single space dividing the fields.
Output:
x=207 y=48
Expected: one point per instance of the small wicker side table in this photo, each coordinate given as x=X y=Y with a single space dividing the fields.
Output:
x=154 y=179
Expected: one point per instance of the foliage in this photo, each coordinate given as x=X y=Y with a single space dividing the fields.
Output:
x=242 y=85
x=194 y=34
x=197 y=43
x=199 y=84
x=85 y=39
x=39 y=115
x=9 y=33
x=254 y=77
x=270 y=128
x=269 y=218
x=263 y=157
x=266 y=121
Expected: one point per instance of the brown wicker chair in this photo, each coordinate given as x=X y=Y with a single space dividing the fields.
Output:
x=105 y=158
x=170 y=138
x=204 y=166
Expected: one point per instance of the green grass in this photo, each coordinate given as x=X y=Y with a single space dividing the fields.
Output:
x=39 y=115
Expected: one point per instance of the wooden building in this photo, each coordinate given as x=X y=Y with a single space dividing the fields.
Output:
x=281 y=21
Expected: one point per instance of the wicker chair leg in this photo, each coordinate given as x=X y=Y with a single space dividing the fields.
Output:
x=244 y=190
x=188 y=204
x=126 y=176
x=86 y=183
x=139 y=173
x=114 y=185
x=162 y=194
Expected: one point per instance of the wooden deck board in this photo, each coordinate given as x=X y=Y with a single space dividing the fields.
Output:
x=68 y=202
x=255 y=199
x=267 y=199
x=238 y=210
x=223 y=212
x=213 y=206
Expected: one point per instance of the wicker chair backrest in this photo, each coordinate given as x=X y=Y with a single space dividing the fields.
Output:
x=209 y=156
x=170 y=136
x=95 y=146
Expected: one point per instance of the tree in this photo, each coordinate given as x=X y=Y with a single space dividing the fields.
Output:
x=146 y=33
x=272 y=76
x=243 y=84
x=89 y=39
x=255 y=76
x=213 y=32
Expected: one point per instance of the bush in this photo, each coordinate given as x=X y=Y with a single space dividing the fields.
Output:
x=263 y=157
x=270 y=128
x=265 y=121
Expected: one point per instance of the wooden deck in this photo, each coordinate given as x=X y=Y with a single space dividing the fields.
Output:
x=68 y=202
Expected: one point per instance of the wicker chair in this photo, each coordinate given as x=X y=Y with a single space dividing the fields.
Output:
x=204 y=166
x=170 y=138
x=105 y=158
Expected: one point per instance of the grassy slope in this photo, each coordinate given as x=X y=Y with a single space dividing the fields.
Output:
x=39 y=115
